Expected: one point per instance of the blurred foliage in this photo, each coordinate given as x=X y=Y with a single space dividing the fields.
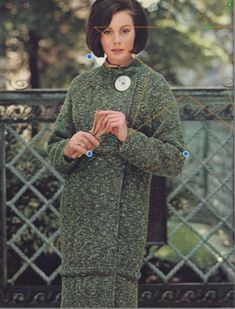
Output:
x=33 y=213
x=180 y=39
x=185 y=240
x=30 y=189
x=47 y=38
x=51 y=30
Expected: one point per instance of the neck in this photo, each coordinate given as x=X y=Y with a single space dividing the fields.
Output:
x=123 y=65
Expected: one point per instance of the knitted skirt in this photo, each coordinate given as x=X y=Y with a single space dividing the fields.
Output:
x=90 y=291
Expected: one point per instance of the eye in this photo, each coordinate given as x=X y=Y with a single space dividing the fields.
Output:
x=126 y=30
x=106 y=32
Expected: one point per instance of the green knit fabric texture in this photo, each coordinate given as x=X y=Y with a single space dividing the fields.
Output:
x=99 y=292
x=105 y=201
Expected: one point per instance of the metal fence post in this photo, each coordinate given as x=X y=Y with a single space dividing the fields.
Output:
x=3 y=261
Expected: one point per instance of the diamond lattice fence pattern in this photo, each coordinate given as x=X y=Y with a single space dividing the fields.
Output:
x=199 y=200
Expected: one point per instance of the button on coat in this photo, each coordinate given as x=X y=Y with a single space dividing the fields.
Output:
x=122 y=83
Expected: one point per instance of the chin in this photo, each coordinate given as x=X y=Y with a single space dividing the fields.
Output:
x=118 y=58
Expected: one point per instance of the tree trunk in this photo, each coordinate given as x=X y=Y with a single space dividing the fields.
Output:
x=33 y=59
x=34 y=72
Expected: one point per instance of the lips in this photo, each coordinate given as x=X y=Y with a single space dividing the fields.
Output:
x=117 y=49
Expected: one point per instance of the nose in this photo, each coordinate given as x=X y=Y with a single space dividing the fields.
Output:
x=116 y=38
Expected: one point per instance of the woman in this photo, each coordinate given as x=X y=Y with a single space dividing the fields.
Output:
x=105 y=201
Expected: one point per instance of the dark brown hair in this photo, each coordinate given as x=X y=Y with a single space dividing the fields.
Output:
x=101 y=13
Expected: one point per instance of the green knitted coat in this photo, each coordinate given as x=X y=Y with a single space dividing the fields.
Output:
x=105 y=200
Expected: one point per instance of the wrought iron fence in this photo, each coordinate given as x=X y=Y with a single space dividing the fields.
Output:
x=193 y=267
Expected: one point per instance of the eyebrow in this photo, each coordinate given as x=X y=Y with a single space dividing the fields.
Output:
x=121 y=26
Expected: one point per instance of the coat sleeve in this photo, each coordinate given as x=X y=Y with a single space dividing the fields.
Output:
x=64 y=129
x=161 y=153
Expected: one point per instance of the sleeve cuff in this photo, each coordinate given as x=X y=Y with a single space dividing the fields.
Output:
x=130 y=139
x=63 y=163
x=67 y=159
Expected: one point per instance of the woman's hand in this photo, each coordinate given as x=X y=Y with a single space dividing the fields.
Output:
x=114 y=122
x=79 y=144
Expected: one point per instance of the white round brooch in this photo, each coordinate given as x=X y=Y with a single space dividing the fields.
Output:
x=122 y=83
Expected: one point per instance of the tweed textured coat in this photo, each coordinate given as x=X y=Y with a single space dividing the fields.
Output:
x=105 y=200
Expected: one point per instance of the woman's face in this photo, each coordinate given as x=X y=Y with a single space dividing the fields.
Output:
x=120 y=34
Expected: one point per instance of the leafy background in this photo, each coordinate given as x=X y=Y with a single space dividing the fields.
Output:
x=44 y=41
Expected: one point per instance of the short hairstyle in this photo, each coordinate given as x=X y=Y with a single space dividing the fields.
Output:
x=101 y=13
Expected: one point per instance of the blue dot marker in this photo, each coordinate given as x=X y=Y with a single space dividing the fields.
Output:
x=89 y=154
x=89 y=56
x=186 y=154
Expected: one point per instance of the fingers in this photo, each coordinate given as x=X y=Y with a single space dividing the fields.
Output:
x=108 y=118
x=94 y=128
x=113 y=121
x=78 y=147
x=100 y=132
x=80 y=143
x=91 y=138
x=80 y=150
x=87 y=142
x=107 y=112
x=76 y=155
x=113 y=124
x=103 y=117
x=97 y=123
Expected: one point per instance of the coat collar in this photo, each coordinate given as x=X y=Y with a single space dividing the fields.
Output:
x=131 y=68
x=117 y=66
